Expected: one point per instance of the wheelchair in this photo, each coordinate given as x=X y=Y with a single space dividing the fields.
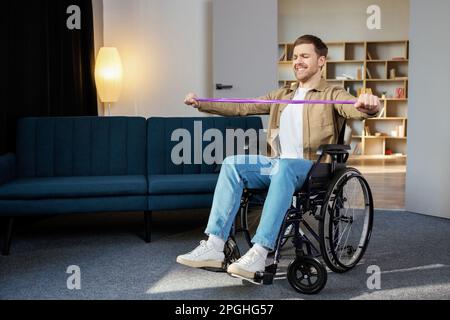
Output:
x=339 y=200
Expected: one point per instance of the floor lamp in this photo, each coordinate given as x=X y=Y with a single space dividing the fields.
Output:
x=108 y=76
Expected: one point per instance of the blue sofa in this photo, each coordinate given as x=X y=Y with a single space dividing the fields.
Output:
x=186 y=185
x=107 y=164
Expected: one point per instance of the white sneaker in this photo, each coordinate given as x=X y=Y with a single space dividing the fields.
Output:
x=248 y=265
x=204 y=256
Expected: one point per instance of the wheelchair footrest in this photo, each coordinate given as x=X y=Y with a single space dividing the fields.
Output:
x=260 y=278
x=266 y=277
x=218 y=270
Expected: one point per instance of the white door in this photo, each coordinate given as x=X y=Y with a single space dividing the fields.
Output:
x=245 y=45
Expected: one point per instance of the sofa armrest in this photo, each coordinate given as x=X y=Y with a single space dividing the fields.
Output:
x=7 y=168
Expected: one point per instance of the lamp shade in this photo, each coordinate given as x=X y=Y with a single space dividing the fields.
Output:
x=108 y=74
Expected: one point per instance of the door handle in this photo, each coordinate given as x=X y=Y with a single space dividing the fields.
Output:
x=220 y=86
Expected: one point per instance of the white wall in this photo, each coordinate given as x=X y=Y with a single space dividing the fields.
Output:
x=166 y=45
x=97 y=10
x=338 y=20
x=428 y=173
x=166 y=48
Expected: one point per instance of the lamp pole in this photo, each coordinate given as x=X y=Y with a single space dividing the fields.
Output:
x=108 y=107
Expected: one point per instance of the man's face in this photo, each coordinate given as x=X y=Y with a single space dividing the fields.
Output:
x=306 y=62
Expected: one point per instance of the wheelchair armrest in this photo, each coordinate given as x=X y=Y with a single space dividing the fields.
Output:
x=333 y=149
x=338 y=153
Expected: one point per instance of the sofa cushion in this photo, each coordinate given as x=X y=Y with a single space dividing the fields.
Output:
x=165 y=134
x=73 y=187
x=182 y=183
x=81 y=146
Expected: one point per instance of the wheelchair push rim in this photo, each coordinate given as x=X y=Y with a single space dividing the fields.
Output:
x=347 y=219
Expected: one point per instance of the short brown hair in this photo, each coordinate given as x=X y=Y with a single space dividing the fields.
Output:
x=320 y=47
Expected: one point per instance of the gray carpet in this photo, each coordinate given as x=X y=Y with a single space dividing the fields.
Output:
x=413 y=252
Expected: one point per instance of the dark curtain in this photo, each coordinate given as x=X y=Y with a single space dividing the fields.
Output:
x=49 y=69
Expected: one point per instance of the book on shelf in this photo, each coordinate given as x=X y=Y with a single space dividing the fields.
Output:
x=401 y=131
x=369 y=56
x=400 y=93
x=367 y=131
x=358 y=149
x=359 y=73
x=369 y=74
x=282 y=57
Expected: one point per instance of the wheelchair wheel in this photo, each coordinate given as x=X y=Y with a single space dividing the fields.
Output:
x=346 y=220
x=307 y=275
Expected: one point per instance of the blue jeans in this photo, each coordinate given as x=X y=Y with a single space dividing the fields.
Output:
x=281 y=176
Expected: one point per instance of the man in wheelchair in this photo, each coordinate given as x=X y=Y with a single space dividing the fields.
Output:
x=295 y=133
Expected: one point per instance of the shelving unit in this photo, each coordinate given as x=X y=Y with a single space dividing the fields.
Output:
x=378 y=66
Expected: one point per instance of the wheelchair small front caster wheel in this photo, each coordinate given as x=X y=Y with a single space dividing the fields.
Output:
x=307 y=275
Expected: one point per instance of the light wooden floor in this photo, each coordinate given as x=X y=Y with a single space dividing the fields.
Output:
x=386 y=179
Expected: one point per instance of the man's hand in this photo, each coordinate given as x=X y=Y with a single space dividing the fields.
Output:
x=191 y=100
x=368 y=103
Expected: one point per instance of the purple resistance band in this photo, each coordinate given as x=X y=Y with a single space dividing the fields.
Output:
x=256 y=101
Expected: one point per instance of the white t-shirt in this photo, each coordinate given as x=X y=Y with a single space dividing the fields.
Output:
x=291 y=128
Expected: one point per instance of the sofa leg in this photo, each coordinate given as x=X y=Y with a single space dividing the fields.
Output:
x=8 y=237
x=148 y=226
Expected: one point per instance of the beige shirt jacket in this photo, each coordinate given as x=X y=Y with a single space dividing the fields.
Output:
x=321 y=122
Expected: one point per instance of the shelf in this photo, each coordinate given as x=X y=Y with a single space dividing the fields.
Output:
x=384 y=61
x=330 y=61
x=387 y=118
x=345 y=61
x=387 y=41
x=359 y=59
x=346 y=80
x=376 y=157
x=385 y=137
x=380 y=137
x=386 y=80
